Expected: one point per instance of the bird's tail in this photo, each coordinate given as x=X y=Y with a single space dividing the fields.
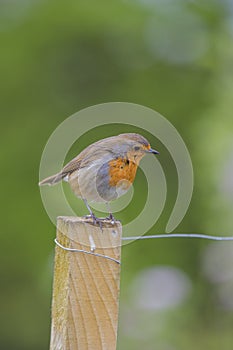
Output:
x=52 y=180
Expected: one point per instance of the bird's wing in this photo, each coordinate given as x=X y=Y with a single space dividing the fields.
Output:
x=73 y=165
x=106 y=149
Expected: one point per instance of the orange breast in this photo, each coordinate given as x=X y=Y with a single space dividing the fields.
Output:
x=121 y=169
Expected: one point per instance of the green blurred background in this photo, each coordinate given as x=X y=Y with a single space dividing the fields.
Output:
x=174 y=56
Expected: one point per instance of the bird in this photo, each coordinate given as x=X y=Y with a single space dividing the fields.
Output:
x=105 y=170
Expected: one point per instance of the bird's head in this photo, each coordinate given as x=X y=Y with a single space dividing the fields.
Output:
x=138 y=146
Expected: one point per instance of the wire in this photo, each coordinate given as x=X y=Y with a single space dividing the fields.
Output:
x=85 y=252
x=180 y=235
x=133 y=238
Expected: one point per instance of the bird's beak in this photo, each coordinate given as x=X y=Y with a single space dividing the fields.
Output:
x=153 y=151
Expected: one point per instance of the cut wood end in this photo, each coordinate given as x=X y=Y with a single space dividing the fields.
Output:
x=106 y=223
x=82 y=230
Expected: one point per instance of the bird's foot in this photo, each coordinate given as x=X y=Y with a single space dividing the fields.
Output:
x=111 y=218
x=97 y=221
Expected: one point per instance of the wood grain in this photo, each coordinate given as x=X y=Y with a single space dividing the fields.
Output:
x=86 y=287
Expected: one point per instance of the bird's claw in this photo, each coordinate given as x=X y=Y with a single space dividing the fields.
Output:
x=111 y=218
x=97 y=221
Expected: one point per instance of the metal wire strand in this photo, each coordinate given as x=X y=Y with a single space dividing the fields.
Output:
x=180 y=235
x=85 y=252
x=133 y=238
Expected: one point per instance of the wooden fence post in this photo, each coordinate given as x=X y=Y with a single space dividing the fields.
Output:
x=86 y=286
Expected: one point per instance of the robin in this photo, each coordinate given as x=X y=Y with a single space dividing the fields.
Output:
x=104 y=170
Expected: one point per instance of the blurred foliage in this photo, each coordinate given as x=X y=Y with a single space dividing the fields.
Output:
x=57 y=58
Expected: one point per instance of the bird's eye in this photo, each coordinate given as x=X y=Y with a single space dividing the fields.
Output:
x=136 y=148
